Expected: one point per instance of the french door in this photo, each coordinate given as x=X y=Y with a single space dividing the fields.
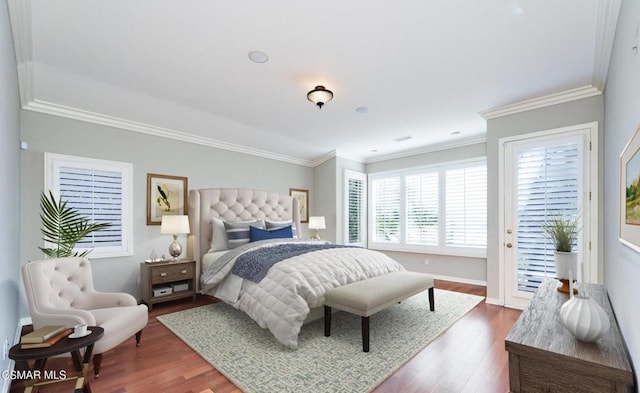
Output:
x=544 y=175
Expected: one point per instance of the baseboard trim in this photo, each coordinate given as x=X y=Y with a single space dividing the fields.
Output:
x=6 y=382
x=460 y=280
x=24 y=321
x=494 y=301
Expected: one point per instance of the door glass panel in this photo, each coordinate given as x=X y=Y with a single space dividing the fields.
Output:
x=547 y=185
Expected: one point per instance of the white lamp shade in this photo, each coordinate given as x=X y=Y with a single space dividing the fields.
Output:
x=174 y=225
x=316 y=222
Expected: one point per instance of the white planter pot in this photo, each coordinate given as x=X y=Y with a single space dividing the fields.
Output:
x=566 y=264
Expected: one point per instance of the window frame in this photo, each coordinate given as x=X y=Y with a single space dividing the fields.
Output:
x=52 y=163
x=347 y=176
x=441 y=248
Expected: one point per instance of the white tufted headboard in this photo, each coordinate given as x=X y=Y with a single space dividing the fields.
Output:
x=233 y=204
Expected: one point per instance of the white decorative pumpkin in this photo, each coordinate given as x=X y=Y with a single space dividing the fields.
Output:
x=584 y=318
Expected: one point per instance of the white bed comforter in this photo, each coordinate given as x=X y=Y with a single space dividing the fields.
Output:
x=282 y=300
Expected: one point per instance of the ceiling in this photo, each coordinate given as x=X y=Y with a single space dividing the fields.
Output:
x=424 y=69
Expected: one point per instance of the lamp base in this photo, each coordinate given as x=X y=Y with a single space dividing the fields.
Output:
x=315 y=236
x=175 y=248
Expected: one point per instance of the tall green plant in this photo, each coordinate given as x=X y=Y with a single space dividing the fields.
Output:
x=562 y=231
x=63 y=226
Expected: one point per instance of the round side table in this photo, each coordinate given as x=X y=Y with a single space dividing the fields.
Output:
x=66 y=345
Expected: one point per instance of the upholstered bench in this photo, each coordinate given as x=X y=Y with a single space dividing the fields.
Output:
x=369 y=296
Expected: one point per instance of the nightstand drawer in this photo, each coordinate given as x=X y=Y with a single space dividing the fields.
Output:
x=168 y=273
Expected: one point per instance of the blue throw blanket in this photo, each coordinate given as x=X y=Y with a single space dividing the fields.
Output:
x=254 y=265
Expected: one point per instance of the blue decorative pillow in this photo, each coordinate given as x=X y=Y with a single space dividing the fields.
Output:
x=261 y=234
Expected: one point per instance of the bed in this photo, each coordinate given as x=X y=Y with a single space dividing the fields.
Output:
x=280 y=282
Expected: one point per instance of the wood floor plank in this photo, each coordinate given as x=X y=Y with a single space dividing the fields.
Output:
x=468 y=357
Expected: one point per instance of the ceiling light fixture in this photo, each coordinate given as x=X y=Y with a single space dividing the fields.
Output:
x=320 y=96
x=403 y=138
x=257 y=56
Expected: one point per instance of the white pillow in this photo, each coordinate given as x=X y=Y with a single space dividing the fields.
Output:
x=219 y=236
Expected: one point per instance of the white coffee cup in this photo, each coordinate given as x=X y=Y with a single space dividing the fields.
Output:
x=80 y=330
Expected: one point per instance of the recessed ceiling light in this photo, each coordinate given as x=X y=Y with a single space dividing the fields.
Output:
x=362 y=109
x=455 y=132
x=403 y=138
x=257 y=56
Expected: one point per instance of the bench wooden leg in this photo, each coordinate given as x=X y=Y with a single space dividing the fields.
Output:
x=432 y=304
x=327 y=321
x=365 y=334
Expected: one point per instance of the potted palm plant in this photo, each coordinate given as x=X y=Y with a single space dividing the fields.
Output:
x=63 y=226
x=563 y=231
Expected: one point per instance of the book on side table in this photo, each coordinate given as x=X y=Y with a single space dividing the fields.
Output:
x=44 y=337
x=42 y=334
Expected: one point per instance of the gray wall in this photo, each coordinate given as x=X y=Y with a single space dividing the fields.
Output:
x=324 y=197
x=10 y=178
x=329 y=194
x=556 y=116
x=622 y=264
x=464 y=269
x=203 y=166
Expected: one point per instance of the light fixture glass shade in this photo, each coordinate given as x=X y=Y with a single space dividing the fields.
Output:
x=317 y=222
x=174 y=225
x=320 y=96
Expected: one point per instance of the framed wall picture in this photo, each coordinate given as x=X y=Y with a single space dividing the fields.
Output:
x=303 y=198
x=630 y=192
x=166 y=195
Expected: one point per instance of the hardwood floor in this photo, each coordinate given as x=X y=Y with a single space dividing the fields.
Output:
x=468 y=357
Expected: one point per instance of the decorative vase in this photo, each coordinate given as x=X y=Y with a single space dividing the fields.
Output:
x=566 y=266
x=584 y=317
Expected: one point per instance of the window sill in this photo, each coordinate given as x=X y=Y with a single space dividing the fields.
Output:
x=467 y=253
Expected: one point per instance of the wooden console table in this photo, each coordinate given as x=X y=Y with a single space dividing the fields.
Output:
x=545 y=357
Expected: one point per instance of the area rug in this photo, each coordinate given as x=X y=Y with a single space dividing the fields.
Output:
x=255 y=362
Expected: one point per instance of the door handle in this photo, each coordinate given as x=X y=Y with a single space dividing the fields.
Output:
x=509 y=245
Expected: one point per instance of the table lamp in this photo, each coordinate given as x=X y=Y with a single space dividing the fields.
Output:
x=316 y=223
x=175 y=225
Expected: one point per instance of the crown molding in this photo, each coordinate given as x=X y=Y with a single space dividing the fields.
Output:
x=427 y=149
x=541 y=102
x=323 y=158
x=608 y=11
x=110 y=121
x=20 y=19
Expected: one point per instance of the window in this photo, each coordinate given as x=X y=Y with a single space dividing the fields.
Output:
x=440 y=209
x=102 y=191
x=355 y=184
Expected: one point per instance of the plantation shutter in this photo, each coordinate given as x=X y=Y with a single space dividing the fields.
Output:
x=100 y=190
x=356 y=190
x=97 y=195
x=422 y=209
x=386 y=209
x=547 y=186
x=466 y=206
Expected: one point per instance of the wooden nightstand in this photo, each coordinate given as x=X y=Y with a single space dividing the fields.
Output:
x=165 y=281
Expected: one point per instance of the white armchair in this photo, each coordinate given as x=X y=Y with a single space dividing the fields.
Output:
x=60 y=292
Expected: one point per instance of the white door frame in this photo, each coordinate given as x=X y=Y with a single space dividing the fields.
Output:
x=590 y=234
